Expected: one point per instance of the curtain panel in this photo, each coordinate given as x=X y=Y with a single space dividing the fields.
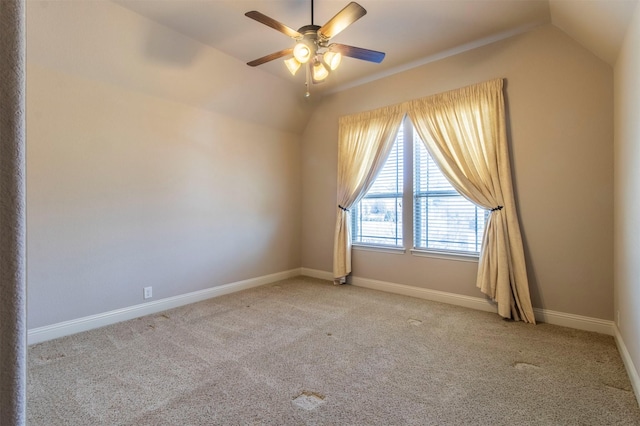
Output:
x=464 y=130
x=364 y=142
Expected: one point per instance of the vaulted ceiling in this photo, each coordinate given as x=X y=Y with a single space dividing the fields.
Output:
x=411 y=32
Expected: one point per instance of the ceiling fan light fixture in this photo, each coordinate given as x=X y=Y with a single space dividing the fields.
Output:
x=332 y=59
x=312 y=44
x=320 y=72
x=292 y=65
x=302 y=53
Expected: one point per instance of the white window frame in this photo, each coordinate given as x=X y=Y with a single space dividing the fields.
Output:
x=409 y=220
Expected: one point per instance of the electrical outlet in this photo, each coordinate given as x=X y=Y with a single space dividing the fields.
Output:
x=148 y=292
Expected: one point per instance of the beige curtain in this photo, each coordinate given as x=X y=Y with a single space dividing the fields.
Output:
x=464 y=131
x=364 y=142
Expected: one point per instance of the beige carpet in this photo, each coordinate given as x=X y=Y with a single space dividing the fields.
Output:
x=305 y=352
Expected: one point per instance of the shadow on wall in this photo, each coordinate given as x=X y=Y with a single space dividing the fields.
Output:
x=164 y=48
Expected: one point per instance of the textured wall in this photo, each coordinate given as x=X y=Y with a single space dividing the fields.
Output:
x=13 y=327
x=559 y=100
x=627 y=191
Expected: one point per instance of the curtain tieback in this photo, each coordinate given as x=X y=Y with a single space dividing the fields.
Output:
x=496 y=208
x=343 y=208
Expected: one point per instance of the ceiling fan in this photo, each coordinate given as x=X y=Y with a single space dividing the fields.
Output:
x=312 y=44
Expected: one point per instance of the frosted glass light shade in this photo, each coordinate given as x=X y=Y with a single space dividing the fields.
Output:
x=302 y=53
x=320 y=72
x=292 y=65
x=332 y=59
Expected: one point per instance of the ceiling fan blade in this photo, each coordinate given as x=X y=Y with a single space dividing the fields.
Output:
x=358 y=52
x=347 y=16
x=270 y=57
x=264 y=19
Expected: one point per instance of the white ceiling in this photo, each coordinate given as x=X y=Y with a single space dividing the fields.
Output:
x=599 y=25
x=411 y=32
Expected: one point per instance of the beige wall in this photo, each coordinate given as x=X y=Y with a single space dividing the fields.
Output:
x=104 y=41
x=627 y=190
x=559 y=100
x=127 y=190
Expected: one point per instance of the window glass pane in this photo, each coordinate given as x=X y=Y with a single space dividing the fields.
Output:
x=377 y=218
x=443 y=219
x=452 y=223
x=380 y=221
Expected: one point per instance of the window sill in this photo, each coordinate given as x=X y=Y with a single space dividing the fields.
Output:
x=446 y=255
x=380 y=249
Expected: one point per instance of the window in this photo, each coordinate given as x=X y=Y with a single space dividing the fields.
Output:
x=443 y=220
x=377 y=218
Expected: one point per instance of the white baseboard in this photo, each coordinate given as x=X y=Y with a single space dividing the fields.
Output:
x=66 y=328
x=41 y=334
x=315 y=273
x=628 y=363
x=543 y=315
x=423 y=293
x=574 y=321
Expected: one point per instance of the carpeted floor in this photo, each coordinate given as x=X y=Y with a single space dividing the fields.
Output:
x=305 y=352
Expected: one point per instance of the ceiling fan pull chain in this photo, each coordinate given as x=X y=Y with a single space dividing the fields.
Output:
x=306 y=82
